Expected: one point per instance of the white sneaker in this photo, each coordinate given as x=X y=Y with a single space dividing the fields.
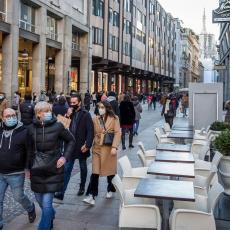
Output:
x=89 y=200
x=109 y=195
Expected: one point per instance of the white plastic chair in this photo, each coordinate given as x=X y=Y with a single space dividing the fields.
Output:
x=202 y=184
x=196 y=215
x=149 y=154
x=203 y=168
x=200 y=149
x=134 y=212
x=145 y=162
x=166 y=128
x=161 y=139
x=131 y=176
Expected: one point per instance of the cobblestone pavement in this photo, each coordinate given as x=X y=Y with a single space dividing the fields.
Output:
x=13 y=209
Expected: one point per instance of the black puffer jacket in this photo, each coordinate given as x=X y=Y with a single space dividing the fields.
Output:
x=27 y=112
x=127 y=113
x=49 y=138
x=13 y=149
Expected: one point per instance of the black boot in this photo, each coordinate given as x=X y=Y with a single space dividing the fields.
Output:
x=81 y=190
x=131 y=140
x=32 y=215
x=123 y=141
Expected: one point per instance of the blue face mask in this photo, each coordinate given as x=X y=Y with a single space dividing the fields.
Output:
x=11 y=121
x=47 y=116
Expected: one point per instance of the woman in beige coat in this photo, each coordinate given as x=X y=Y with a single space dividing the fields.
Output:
x=104 y=159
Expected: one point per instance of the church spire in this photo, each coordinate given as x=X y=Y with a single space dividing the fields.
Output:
x=204 y=30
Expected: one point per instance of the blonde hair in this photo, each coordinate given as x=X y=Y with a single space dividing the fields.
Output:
x=42 y=106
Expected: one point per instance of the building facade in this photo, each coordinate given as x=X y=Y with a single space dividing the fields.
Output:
x=189 y=58
x=224 y=58
x=44 y=46
x=133 y=46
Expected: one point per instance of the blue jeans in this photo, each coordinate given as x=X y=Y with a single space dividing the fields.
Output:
x=45 y=201
x=16 y=183
x=67 y=174
x=136 y=126
x=68 y=170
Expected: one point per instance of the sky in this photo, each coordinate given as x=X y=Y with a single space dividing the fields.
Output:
x=191 y=12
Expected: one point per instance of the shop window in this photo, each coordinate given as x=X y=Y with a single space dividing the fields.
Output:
x=74 y=78
x=27 y=18
x=52 y=28
x=2 y=10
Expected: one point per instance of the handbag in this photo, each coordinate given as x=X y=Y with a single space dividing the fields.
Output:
x=43 y=163
x=108 y=137
x=64 y=120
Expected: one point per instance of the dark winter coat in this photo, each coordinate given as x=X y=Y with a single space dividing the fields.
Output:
x=82 y=129
x=49 y=138
x=13 y=149
x=27 y=112
x=127 y=113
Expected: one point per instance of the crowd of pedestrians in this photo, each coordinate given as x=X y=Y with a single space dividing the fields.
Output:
x=45 y=134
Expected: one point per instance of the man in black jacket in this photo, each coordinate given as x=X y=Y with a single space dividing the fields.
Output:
x=13 y=143
x=82 y=129
x=27 y=110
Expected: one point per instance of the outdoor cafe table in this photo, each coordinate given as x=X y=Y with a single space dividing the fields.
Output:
x=181 y=135
x=174 y=147
x=168 y=156
x=182 y=128
x=172 y=169
x=165 y=190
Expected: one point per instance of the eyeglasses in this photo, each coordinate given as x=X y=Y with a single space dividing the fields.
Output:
x=10 y=116
x=101 y=107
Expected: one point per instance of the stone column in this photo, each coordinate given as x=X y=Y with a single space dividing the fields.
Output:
x=59 y=59
x=39 y=53
x=84 y=64
x=67 y=48
x=10 y=51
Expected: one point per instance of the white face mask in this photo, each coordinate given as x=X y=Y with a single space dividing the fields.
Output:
x=102 y=112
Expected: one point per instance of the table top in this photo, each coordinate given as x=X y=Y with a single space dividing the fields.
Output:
x=174 y=147
x=183 y=135
x=186 y=125
x=168 y=156
x=172 y=169
x=182 y=128
x=165 y=189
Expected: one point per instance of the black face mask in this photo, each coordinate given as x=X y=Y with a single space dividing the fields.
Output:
x=75 y=107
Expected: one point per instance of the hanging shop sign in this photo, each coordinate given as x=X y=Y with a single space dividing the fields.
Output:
x=222 y=14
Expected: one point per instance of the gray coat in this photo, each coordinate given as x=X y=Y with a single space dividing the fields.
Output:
x=138 y=110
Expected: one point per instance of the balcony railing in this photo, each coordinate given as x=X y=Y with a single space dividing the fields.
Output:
x=2 y=16
x=27 y=26
x=75 y=46
x=52 y=35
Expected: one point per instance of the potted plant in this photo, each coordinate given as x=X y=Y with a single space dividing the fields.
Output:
x=219 y=126
x=222 y=144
